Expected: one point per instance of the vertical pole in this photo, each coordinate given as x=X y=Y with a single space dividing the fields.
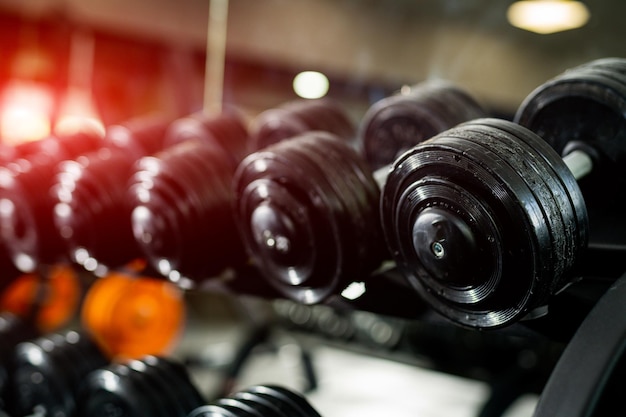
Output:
x=215 y=56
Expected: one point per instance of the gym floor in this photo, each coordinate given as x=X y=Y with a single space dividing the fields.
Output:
x=349 y=382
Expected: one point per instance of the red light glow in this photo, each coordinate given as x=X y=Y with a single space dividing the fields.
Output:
x=25 y=113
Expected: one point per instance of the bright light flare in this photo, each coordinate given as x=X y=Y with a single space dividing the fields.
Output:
x=78 y=114
x=311 y=84
x=548 y=16
x=25 y=113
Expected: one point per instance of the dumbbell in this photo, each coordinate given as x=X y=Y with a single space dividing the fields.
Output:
x=26 y=223
x=308 y=207
x=13 y=330
x=48 y=372
x=150 y=387
x=580 y=113
x=133 y=316
x=49 y=301
x=90 y=208
x=487 y=220
x=181 y=200
x=259 y=401
x=300 y=116
x=416 y=113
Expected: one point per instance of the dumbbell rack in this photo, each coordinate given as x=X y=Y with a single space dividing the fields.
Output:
x=579 y=323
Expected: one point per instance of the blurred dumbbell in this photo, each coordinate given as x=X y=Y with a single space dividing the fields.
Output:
x=150 y=387
x=259 y=401
x=308 y=207
x=396 y=123
x=48 y=372
x=182 y=200
x=91 y=213
x=93 y=210
x=139 y=136
x=133 y=316
x=13 y=330
x=49 y=301
x=486 y=220
x=26 y=223
x=300 y=116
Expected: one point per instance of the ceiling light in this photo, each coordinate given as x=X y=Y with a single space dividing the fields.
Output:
x=548 y=16
x=311 y=84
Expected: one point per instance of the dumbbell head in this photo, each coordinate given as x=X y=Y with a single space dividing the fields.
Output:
x=182 y=211
x=26 y=220
x=133 y=316
x=307 y=209
x=226 y=131
x=91 y=211
x=484 y=219
x=259 y=401
x=139 y=136
x=300 y=116
x=396 y=123
x=48 y=372
x=584 y=109
x=138 y=389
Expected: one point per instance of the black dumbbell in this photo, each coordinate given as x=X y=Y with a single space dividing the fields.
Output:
x=398 y=122
x=580 y=113
x=259 y=401
x=13 y=330
x=487 y=220
x=149 y=387
x=91 y=212
x=26 y=222
x=308 y=207
x=296 y=117
x=48 y=372
x=181 y=200
x=484 y=219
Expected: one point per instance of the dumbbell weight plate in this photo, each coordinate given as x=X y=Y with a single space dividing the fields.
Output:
x=212 y=411
x=295 y=401
x=261 y=396
x=307 y=211
x=178 y=380
x=484 y=225
x=267 y=408
x=108 y=392
x=162 y=388
x=396 y=123
x=241 y=409
x=585 y=105
x=36 y=381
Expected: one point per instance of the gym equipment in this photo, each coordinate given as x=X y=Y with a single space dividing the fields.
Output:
x=182 y=212
x=13 y=330
x=26 y=207
x=485 y=220
x=91 y=213
x=396 y=123
x=259 y=401
x=580 y=113
x=150 y=387
x=131 y=316
x=307 y=209
x=299 y=116
x=49 y=301
x=48 y=373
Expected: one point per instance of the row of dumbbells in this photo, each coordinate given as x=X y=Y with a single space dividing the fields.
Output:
x=66 y=374
x=483 y=216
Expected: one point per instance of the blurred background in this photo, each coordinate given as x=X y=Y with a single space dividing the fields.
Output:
x=111 y=60
x=149 y=55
